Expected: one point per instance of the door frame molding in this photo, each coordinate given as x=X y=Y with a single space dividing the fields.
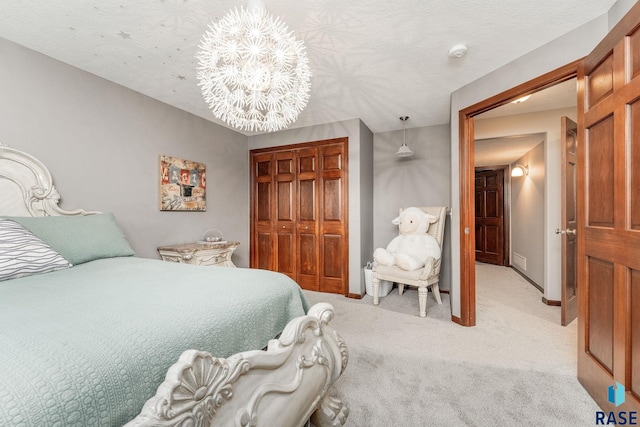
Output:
x=467 y=182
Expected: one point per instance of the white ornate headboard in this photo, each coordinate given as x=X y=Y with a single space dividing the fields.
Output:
x=26 y=187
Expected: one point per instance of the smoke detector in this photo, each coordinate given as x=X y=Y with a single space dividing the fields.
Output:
x=458 y=51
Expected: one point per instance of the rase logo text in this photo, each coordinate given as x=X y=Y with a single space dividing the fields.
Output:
x=616 y=396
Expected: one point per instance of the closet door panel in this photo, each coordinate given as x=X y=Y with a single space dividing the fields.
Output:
x=331 y=200
x=261 y=247
x=285 y=184
x=307 y=208
x=332 y=264
x=307 y=186
x=333 y=219
x=285 y=207
x=308 y=260
x=263 y=251
x=307 y=221
x=285 y=211
x=262 y=181
x=285 y=261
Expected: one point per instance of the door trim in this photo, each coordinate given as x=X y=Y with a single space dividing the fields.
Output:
x=467 y=208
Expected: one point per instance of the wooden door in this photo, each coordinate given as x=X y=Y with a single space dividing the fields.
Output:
x=333 y=222
x=299 y=217
x=307 y=225
x=609 y=216
x=489 y=220
x=263 y=216
x=569 y=208
x=285 y=214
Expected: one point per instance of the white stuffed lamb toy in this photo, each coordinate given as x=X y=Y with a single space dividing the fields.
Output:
x=411 y=249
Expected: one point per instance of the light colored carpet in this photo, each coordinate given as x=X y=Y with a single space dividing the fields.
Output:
x=516 y=367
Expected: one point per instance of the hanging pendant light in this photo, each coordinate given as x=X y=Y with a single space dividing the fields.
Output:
x=404 y=150
x=253 y=72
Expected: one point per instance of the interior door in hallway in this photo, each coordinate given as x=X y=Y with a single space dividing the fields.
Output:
x=609 y=217
x=567 y=232
x=489 y=219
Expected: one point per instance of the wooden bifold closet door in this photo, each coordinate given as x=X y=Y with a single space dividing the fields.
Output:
x=299 y=213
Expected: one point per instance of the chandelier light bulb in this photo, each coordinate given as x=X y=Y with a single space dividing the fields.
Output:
x=252 y=71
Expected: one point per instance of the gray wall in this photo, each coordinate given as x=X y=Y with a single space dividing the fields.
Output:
x=102 y=141
x=421 y=180
x=366 y=196
x=360 y=184
x=527 y=215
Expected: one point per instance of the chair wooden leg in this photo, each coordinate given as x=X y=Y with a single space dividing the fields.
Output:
x=436 y=292
x=400 y=288
x=422 y=300
x=375 y=282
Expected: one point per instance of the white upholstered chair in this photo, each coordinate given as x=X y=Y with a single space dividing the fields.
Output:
x=423 y=278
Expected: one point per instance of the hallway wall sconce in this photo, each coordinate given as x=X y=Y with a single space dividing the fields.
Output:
x=519 y=170
x=404 y=150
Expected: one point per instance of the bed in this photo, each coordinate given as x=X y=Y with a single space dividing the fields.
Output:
x=110 y=339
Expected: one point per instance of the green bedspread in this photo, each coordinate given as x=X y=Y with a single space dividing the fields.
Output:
x=87 y=346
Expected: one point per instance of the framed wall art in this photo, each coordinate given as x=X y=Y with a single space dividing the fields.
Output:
x=182 y=185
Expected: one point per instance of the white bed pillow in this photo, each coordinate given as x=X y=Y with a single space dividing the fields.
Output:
x=23 y=254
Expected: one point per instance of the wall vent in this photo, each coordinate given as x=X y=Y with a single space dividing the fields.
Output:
x=519 y=261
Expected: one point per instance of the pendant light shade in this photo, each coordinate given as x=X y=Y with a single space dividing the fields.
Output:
x=404 y=150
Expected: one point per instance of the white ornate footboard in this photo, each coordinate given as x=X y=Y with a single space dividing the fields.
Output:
x=283 y=386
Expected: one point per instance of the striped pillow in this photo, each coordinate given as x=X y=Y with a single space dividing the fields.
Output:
x=23 y=254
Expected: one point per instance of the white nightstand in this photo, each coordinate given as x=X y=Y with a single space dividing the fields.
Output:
x=215 y=254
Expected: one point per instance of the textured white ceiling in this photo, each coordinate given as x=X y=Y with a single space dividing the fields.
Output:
x=375 y=59
x=504 y=151
x=558 y=96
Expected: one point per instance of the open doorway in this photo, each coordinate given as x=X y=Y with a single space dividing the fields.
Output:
x=521 y=143
x=497 y=154
x=470 y=118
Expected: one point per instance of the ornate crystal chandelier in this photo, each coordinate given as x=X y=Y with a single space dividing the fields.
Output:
x=252 y=71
